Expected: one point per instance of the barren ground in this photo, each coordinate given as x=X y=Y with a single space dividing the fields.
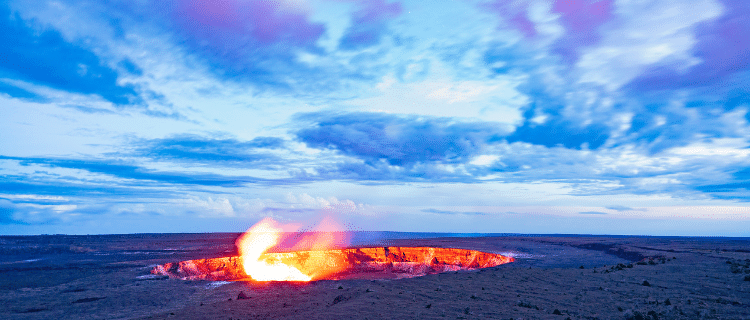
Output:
x=554 y=277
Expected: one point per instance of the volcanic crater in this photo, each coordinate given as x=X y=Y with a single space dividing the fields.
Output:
x=337 y=264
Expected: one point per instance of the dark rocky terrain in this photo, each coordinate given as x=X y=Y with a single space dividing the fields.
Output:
x=554 y=277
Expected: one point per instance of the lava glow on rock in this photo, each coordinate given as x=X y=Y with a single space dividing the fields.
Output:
x=354 y=263
x=320 y=263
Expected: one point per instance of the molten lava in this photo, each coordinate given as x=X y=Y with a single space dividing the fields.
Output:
x=317 y=262
x=360 y=263
x=257 y=240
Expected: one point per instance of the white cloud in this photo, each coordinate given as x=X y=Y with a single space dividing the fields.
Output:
x=441 y=95
x=219 y=207
x=484 y=160
x=644 y=33
x=306 y=201
x=32 y=213
x=291 y=205
x=432 y=61
x=727 y=148
x=545 y=22
x=33 y=197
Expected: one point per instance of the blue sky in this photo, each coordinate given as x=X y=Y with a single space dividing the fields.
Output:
x=524 y=116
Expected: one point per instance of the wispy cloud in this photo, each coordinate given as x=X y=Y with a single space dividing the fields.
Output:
x=593 y=212
x=474 y=213
x=210 y=150
x=398 y=140
x=719 y=55
x=126 y=171
x=624 y=208
x=39 y=55
x=368 y=23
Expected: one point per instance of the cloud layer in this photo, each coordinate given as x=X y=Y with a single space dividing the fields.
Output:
x=152 y=108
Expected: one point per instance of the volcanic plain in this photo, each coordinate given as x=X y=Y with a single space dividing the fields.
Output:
x=553 y=277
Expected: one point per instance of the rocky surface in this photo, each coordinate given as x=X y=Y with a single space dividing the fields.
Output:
x=553 y=277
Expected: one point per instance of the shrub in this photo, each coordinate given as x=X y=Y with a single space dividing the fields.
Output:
x=635 y=316
x=527 y=305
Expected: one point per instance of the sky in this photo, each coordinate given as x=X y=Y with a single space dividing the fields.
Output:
x=581 y=116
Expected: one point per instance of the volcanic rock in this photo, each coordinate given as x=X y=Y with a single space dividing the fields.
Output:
x=242 y=296
x=84 y=300
x=340 y=298
x=546 y=274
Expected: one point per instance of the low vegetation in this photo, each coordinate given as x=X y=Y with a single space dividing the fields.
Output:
x=527 y=305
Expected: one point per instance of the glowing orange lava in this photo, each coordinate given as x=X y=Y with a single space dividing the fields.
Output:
x=266 y=234
x=256 y=241
x=313 y=259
